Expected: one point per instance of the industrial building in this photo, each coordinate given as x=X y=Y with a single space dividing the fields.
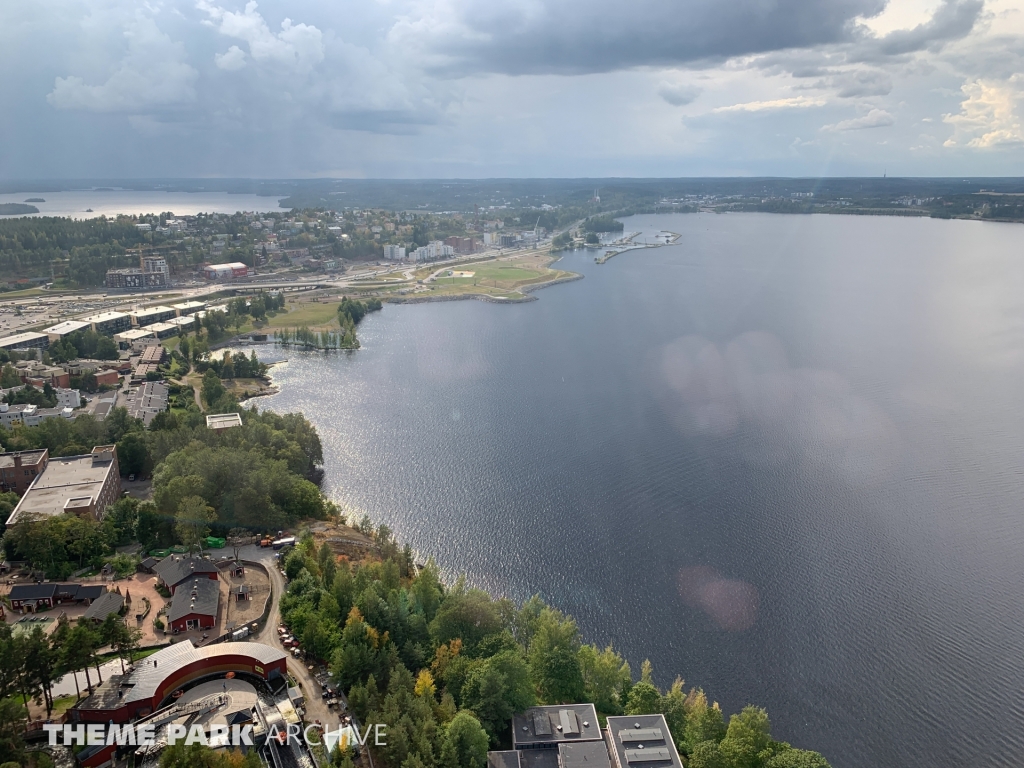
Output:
x=225 y=271
x=81 y=485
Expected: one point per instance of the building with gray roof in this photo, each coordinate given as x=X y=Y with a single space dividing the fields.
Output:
x=546 y=727
x=641 y=741
x=106 y=604
x=82 y=485
x=194 y=605
x=176 y=569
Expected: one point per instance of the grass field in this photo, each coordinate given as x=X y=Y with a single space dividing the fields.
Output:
x=239 y=387
x=312 y=314
x=25 y=294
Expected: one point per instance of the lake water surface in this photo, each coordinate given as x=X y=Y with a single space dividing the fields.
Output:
x=77 y=203
x=782 y=458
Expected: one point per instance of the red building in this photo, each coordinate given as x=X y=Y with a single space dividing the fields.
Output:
x=19 y=469
x=175 y=569
x=194 y=605
x=107 y=377
x=122 y=698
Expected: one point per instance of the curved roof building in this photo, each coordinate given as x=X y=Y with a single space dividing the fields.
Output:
x=123 y=698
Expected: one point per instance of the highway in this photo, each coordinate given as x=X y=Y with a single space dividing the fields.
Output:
x=46 y=309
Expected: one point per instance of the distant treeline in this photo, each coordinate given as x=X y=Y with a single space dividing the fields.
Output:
x=90 y=246
x=602 y=224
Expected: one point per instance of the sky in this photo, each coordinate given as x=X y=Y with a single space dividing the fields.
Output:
x=510 y=88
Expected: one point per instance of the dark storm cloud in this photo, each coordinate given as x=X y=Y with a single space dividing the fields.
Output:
x=953 y=20
x=461 y=37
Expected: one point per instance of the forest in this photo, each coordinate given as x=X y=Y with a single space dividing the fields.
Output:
x=257 y=475
x=446 y=666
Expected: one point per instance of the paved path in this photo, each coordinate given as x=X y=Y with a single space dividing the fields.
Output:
x=316 y=709
x=66 y=685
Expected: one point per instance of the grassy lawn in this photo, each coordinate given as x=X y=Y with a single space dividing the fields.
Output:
x=239 y=387
x=171 y=343
x=310 y=313
x=62 y=704
x=24 y=294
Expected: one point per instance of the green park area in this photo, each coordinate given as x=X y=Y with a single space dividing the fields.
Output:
x=307 y=313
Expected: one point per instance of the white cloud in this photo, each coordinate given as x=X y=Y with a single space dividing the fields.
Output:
x=152 y=75
x=876 y=118
x=989 y=117
x=232 y=60
x=795 y=102
x=297 y=45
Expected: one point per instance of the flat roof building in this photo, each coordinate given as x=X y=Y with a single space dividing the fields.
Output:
x=150 y=315
x=641 y=741
x=126 y=338
x=19 y=468
x=163 y=330
x=109 y=322
x=546 y=727
x=29 y=340
x=185 y=321
x=219 y=421
x=81 y=485
x=189 y=307
x=60 y=330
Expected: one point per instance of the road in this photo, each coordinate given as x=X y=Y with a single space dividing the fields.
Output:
x=316 y=709
x=57 y=308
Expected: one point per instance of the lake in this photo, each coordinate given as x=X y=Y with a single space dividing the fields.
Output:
x=780 y=458
x=113 y=202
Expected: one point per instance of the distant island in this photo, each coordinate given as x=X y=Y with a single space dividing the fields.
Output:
x=17 y=209
x=35 y=200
